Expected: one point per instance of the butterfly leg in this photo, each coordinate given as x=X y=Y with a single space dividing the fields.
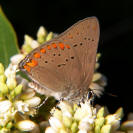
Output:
x=44 y=101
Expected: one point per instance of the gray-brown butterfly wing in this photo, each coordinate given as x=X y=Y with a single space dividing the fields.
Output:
x=66 y=68
x=84 y=37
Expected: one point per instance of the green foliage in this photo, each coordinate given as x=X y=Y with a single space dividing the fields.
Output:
x=8 y=40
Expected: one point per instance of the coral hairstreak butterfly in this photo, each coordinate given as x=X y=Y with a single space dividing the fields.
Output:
x=63 y=67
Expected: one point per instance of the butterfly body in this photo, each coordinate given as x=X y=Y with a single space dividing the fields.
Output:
x=64 y=66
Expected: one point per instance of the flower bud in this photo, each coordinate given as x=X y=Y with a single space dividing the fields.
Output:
x=50 y=130
x=33 y=101
x=9 y=125
x=119 y=113
x=3 y=88
x=12 y=94
x=5 y=106
x=27 y=48
x=100 y=112
x=4 y=130
x=96 y=76
x=18 y=89
x=66 y=108
x=67 y=121
x=11 y=83
x=28 y=95
x=27 y=125
x=41 y=35
x=58 y=114
x=97 y=129
x=2 y=78
x=49 y=36
x=63 y=131
x=16 y=58
x=28 y=39
x=34 y=44
x=55 y=123
x=127 y=125
x=106 y=129
x=74 y=127
x=99 y=121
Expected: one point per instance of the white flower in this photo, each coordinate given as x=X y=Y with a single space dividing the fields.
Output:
x=55 y=123
x=85 y=111
x=6 y=112
x=5 y=106
x=113 y=120
x=33 y=102
x=85 y=126
x=34 y=44
x=50 y=130
x=65 y=108
x=21 y=106
x=27 y=40
x=27 y=125
x=82 y=131
x=41 y=32
x=11 y=71
x=16 y=59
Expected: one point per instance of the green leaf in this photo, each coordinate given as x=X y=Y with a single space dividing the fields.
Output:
x=8 y=40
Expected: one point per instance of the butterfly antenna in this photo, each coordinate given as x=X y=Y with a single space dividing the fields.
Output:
x=103 y=92
x=110 y=94
x=44 y=101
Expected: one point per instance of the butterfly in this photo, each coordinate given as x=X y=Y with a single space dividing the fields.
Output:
x=63 y=67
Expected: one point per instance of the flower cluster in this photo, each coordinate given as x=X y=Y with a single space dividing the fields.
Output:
x=17 y=101
x=83 y=119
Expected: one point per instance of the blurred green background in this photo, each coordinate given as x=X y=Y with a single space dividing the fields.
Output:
x=116 y=40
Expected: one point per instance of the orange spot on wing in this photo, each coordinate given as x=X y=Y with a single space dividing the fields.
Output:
x=54 y=45
x=27 y=68
x=49 y=48
x=33 y=63
x=61 y=45
x=37 y=55
x=43 y=50
x=67 y=46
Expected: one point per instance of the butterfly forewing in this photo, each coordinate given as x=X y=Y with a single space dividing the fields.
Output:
x=84 y=37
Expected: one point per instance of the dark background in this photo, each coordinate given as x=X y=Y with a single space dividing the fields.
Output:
x=116 y=40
